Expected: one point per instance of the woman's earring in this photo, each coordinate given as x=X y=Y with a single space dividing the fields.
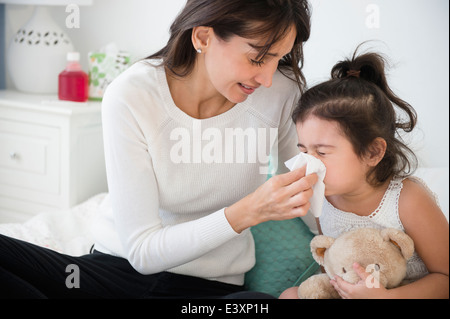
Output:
x=199 y=50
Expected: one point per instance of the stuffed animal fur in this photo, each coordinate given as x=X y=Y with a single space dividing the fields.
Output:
x=381 y=252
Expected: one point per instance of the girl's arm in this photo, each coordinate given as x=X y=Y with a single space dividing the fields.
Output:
x=425 y=223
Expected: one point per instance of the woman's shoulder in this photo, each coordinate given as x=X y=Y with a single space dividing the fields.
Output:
x=136 y=94
x=136 y=87
x=140 y=75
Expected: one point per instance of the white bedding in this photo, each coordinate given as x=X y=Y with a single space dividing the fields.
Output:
x=69 y=231
x=66 y=231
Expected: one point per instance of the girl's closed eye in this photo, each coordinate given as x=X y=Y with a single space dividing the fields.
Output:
x=303 y=149
x=320 y=153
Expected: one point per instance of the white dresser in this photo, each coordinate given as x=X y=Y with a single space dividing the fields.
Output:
x=51 y=154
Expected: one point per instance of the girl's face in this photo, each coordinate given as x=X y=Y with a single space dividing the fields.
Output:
x=233 y=69
x=346 y=172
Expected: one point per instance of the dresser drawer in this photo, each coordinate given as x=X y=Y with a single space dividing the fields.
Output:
x=51 y=154
x=29 y=158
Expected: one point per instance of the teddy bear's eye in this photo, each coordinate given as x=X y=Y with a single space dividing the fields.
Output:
x=343 y=270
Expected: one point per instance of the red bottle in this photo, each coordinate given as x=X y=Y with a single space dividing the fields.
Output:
x=73 y=82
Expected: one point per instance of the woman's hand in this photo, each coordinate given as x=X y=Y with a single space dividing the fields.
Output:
x=282 y=197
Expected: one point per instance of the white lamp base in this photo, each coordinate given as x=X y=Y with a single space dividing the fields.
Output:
x=37 y=54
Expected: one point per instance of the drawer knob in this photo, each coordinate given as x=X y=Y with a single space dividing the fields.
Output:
x=13 y=155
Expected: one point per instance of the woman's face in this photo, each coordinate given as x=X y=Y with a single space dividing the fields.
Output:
x=232 y=67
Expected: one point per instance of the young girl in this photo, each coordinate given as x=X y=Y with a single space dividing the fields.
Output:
x=350 y=123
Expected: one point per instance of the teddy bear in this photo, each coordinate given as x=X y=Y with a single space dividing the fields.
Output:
x=382 y=252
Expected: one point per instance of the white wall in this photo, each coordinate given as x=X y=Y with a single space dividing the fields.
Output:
x=413 y=33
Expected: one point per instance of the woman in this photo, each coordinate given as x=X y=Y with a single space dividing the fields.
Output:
x=187 y=136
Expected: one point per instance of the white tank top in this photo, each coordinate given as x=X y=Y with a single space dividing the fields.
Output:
x=334 y=222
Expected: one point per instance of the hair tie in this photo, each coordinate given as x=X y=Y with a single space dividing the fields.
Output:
x=353 y=73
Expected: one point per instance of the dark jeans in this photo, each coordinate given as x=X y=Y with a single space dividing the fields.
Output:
x=30 y=271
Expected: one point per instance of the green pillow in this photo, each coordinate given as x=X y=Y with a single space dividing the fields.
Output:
x=283 y=256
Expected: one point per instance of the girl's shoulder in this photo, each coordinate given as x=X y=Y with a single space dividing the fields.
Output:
x=417 y=201
x=416 y=190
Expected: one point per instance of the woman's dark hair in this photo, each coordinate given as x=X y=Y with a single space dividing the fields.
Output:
x=245 y=18
x=358 y=97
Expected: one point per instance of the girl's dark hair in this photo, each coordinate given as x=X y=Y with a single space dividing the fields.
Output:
x=245 y=18
x=358 y=97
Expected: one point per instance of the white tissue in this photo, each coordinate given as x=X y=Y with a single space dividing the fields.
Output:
x=313 y=165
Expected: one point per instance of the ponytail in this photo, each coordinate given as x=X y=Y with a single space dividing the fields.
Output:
x=371 y=67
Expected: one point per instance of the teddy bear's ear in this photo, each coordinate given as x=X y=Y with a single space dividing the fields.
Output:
x=399 y=239
x=319 y=245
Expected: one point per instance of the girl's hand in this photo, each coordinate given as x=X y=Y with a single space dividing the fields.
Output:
x=367 y=288
x=282 y=197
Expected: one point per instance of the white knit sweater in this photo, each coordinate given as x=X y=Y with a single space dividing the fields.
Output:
x=171 y=176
